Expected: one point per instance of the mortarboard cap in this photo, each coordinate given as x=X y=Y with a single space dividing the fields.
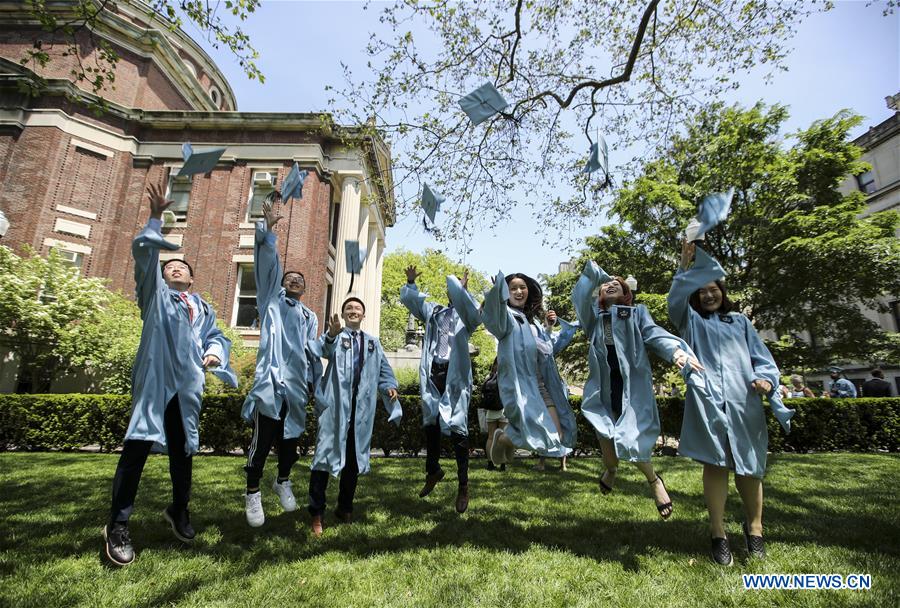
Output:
x=835 y=369
x=199 y=162
x=355 y=256
x=482 y=103
x=431 y=203
x=292 y=186
x=713 y=210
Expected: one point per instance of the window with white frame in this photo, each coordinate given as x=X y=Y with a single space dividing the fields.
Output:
x=866 y=182
x=262 y=185
x=178 y=189
x=245 y=314
x=73 y=258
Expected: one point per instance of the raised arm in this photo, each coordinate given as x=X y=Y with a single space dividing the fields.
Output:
x=583 y=295
x=688 y=280
x=463 y=303
x=412 y=299
x=324 y=345
x=495 y=315
x=267 y=266
x=148 y=280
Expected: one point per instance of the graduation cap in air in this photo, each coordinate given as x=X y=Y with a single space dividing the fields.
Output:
x=482 y=103
x=355 y=257
x=431 y=203
x=292 y=186
x=713 y=210
x=598 y=160
x=198 y=162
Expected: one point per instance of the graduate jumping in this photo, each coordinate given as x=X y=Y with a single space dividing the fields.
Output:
x=445 y=376
x=346 y=398
x=285 y=370
x=179 y=342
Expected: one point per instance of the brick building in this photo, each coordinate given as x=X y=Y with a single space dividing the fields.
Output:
x=74 y=180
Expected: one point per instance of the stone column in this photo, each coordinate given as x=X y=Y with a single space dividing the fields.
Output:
x=348 y=230
x=379 y=268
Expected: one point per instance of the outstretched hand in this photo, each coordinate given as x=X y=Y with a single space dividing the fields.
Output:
x=550 y=320
x=411 y=274
x=334 y=326
x=688 y=249
x=158 y=202
x=271 y=216
x=681 y=358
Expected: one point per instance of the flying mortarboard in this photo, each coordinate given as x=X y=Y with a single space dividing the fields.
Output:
x=598 y=159
x=292 y=186
x=713 y=210
x=431 y=203
x=199 y=162
x=482 y=103
x=355 y=256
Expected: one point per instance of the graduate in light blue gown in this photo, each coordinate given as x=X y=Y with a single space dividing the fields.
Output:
x=618 y=397
x=535 y=398
x=346 y=399
x=286 y=369
x=724 y=421
x=179 y=342
x=445 y=376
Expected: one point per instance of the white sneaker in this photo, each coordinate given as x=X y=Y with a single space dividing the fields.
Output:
x=285 y=495
x=254 y=509
x=498 y=453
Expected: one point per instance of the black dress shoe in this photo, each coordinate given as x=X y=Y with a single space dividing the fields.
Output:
x=721 y=552
x=344 y=518
x=431 y=480
x=118 y=544
x=181 y=524
x=756 y=546
x=462 y=499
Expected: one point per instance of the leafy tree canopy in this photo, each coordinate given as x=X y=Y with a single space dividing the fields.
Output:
x=800 y=256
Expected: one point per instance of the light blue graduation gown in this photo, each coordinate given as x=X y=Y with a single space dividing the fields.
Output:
x=635 y=433
x=334 y=392
x=842 y=388
x=451 y=408
x=285 y=367
x=724 y=423
x=169 y=359
x=530 y=425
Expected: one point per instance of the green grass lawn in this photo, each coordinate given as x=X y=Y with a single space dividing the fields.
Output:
x=529 y=539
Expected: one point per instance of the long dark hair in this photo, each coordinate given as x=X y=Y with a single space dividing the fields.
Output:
x=726 y=306
x=534 y=304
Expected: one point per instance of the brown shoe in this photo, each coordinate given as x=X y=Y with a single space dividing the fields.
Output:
x=343 y=518
x=431 y=481
x=317 y=525
x=462 y=499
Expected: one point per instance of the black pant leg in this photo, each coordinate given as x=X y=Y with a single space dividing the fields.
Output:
x=350 y=472
x=461 y=451
x=127 y=477
x=180 y=463
x=287 y=456
x=318 y=483
x=265 y=433
x=432 y=449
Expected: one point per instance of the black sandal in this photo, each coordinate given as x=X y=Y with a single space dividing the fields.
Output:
x=665 y=506
x=604 y=489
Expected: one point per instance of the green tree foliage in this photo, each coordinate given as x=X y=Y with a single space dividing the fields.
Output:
x=434 y=267
x=66 y=26
x=634 y=69
x=47 y=311
x=799 y=255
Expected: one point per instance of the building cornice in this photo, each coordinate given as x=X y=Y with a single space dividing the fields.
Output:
x=154 y=43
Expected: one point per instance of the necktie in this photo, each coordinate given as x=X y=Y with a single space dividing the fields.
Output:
x=358 y=359
x=444 y=324
x=190 y=309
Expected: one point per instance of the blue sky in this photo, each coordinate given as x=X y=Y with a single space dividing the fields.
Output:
x=848 y=57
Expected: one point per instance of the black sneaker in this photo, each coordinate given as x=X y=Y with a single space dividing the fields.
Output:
x=181 y=524
x=502 y=467
x=491 y=466
x=721 y=552
x=118 y=544
x=756 y=547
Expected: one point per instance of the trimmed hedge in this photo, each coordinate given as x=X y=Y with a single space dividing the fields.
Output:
x=71 y=421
